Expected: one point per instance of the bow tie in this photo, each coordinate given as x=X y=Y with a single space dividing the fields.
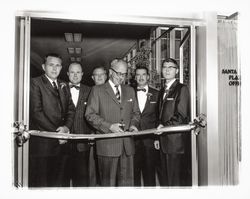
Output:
x=141 y=89
x=74 y=86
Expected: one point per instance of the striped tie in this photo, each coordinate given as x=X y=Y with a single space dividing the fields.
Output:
x=117 y=94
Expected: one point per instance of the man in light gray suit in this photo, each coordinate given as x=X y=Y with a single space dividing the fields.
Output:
x=113 y=108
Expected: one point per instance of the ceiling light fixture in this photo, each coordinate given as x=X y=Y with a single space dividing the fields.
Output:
x=78 y=50
x=77 y=37
x=71 y=50
x=78 y=59
x=68 y=37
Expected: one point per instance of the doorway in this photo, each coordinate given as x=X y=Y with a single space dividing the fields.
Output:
x=97 y=43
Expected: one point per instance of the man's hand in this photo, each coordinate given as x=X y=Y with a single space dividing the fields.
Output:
x=157 y=144
x=133 y=129
x=159 y=127
x=62 y=129
x=115 y=128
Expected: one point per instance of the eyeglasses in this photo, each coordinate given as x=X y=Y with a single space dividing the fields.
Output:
x=119 y=73
x=170 y=67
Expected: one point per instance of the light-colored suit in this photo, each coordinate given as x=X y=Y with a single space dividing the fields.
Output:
x=103 y=110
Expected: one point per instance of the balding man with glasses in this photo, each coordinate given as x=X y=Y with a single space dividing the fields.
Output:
x=113 y=108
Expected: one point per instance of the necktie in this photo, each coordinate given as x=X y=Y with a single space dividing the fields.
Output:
x=58 y=95
x=74 y=86
x=55 y=87
x=141 y=89
x=117 y=94
x=166 y=92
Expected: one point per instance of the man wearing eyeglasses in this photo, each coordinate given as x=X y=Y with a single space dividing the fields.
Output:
x=113 y=108
x=174 y=109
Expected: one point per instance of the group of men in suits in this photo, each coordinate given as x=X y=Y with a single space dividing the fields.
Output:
x=109 y=107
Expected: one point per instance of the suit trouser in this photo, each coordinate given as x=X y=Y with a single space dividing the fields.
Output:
x=171 y=165
x=116 y=171
x=146 y=162
x=46 y=171
x=93 y=167
x=77 y=169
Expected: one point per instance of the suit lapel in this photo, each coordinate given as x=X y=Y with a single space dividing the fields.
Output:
x=147 y=101
x=48 y=85
x=111 y=93
x=80 y=96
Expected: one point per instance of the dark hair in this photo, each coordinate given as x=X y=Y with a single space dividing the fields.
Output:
x=51 y=55
x=170 y=60
x=142 y=67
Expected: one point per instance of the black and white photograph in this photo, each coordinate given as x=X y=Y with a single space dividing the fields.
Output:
x=110 y=98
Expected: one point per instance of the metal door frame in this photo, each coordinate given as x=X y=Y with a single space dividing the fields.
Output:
x=24 y=64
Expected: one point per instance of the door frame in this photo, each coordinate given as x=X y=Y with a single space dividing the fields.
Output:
x=135 y=20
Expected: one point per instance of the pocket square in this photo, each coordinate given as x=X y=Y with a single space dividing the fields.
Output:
x=170 y=98
x=130 y=100
x=152 y=102
x=85 y=103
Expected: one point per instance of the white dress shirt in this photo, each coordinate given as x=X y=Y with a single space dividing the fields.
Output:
x=114 y=88
x=142 y=98
x=75 y=94
x=50 y=80
x=168 y=85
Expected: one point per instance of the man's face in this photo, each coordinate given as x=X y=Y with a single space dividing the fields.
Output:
x=141 y=77
x=99 y=76
x=75 y=73
x=118 y=73
x=169 y=71
x=52 y=67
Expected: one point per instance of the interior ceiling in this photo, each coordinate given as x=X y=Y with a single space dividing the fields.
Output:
x=100 y=43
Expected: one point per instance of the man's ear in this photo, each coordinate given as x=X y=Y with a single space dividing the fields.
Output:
x=177 y=71
x=92 y=77
x=43 y=66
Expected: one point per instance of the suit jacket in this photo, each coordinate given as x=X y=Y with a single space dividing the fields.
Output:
x=174 y=109
x=80 y=125
x=103 y=109
x=149 y=118
x=48 y=111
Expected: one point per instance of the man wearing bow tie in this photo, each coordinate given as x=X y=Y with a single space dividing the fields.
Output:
x=146 y=147
x=79 y=150
x=113 y=108
x=174 y=109
x=51 y=109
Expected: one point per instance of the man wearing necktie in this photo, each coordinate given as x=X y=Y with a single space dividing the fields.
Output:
x=77 y=164
x=113 y=108
x=146 y=159
x=51 y=109
x=174 y=109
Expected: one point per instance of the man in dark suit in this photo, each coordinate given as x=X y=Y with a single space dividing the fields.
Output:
x=146 y=147
x=79 y=149
x=51 y=109
x=113 y=108
x=174 y=109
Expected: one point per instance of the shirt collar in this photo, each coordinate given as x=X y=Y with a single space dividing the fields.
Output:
x=169 y=84
x=112 y=84
x=50 y=80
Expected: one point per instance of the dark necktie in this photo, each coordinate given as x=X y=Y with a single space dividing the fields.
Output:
x=117 y=94
x=58 y=95
x=55 y=87
x=141 y=89
x=74 y=86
